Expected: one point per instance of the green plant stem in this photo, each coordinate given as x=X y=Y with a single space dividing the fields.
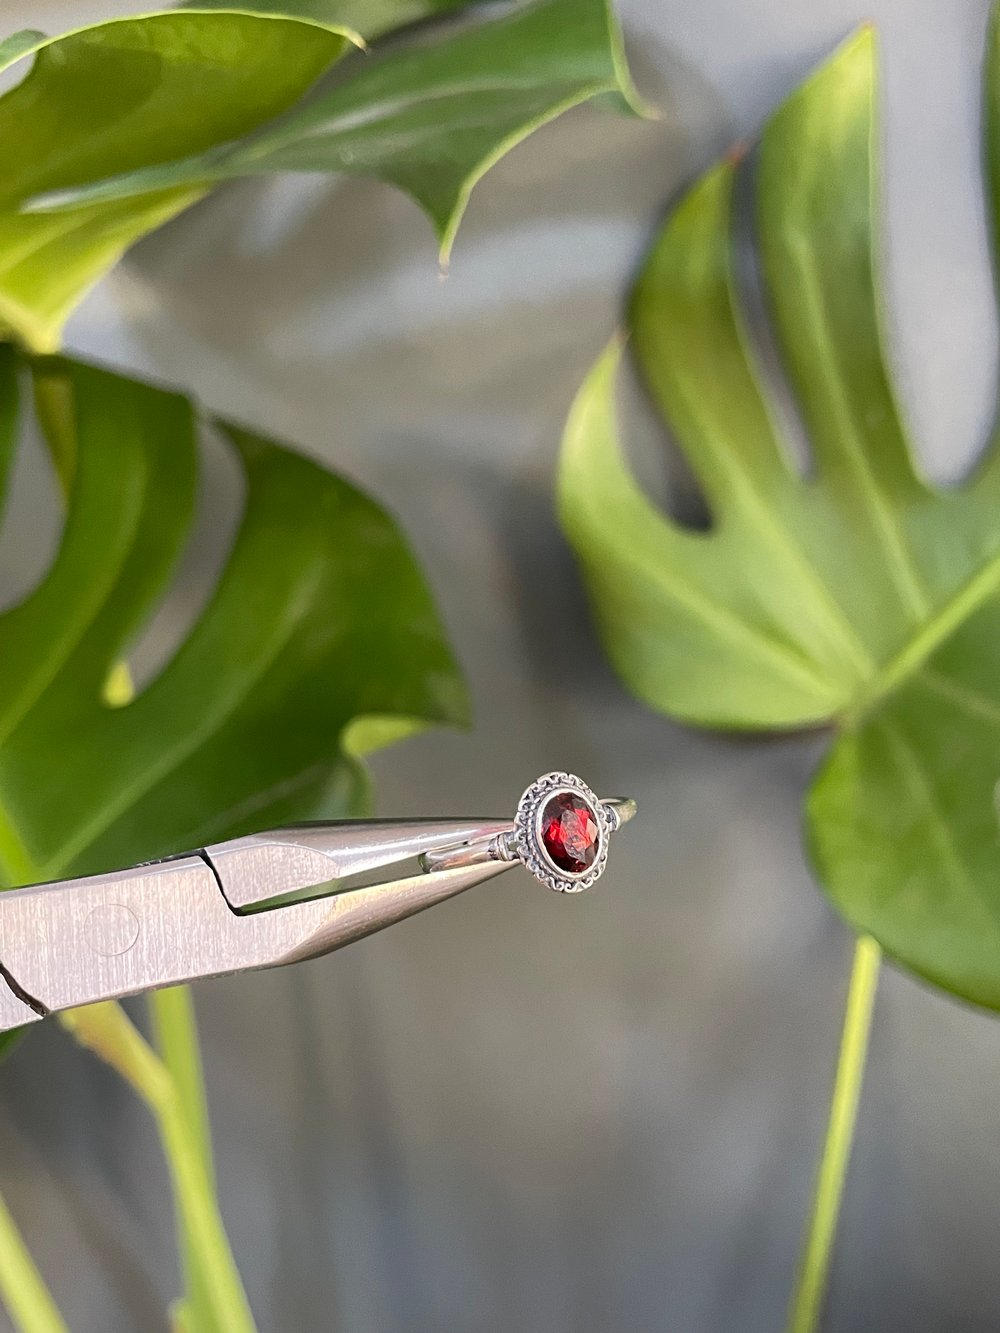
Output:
x=24 y=1292
x=176 y=1033
x=810 y=1288
x=107 y=1030
x=176 y=1036
x=54 y=408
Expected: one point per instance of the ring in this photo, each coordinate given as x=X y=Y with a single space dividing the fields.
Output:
x=560 y=833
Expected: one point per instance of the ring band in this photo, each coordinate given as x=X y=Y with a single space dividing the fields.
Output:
x=560 y=833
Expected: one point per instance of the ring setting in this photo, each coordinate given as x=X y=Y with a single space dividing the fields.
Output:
x=561 y=832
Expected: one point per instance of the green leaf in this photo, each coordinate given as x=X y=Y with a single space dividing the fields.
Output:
x=9 y=1040
x=116 y=96
x=857 y=596
x=430 y=117
x=319 y=618
x=371 y=18
x=19 y=44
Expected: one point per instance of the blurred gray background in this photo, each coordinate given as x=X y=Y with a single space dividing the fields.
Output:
x=521 y=1112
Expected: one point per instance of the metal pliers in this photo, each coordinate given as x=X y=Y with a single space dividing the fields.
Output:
x=277 y=897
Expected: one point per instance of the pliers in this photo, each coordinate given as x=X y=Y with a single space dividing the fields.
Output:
x=277 y=897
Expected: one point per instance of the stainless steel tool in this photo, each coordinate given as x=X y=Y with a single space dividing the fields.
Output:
x=278 y=897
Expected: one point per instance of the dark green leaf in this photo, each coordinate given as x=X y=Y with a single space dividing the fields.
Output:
x=319 y=638
x=859 y=596
x=431 y=116
x=9 y=1040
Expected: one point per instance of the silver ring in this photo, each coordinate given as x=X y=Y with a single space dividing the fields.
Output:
x=560 y=833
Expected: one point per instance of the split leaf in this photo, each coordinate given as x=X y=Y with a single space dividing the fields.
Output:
x=119 y=126
x=857 y=596
x=319 y=621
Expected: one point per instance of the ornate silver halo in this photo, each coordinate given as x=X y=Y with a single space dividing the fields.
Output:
x=560 y=833
x=567 y=861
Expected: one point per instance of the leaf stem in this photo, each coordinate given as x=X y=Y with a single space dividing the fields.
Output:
x=107 y=1030
x=814 y=1267
x=176 y=1035
x=176 y=1031
x=22 y=1287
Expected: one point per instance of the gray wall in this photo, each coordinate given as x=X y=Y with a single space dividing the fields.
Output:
x=524 y=1113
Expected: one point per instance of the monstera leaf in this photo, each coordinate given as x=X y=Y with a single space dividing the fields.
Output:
x=857 y=595
x=319 y=638
x=372 y=18
x=128 y=91
x=120 y=126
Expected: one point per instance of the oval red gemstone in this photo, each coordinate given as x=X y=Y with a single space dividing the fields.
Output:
x=571 y=834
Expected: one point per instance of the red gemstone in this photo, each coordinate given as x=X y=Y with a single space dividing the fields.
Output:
x=570 y=833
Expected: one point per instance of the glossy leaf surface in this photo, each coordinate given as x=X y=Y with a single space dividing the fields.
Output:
x=320 y=620
x=859 y=595
x=429 y=116
x=116 y=96
x=371 y=18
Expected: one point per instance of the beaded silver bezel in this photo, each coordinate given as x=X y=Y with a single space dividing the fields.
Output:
x=527 y=832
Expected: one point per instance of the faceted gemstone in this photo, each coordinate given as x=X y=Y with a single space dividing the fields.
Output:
x=570 y=833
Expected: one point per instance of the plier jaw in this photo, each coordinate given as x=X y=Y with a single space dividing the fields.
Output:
x=278 y=897
x=223 y=909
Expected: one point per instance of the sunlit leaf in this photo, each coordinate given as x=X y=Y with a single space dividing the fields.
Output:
x=859 y=596
x=116 y=96
x=371 y=18
x=430 y=116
